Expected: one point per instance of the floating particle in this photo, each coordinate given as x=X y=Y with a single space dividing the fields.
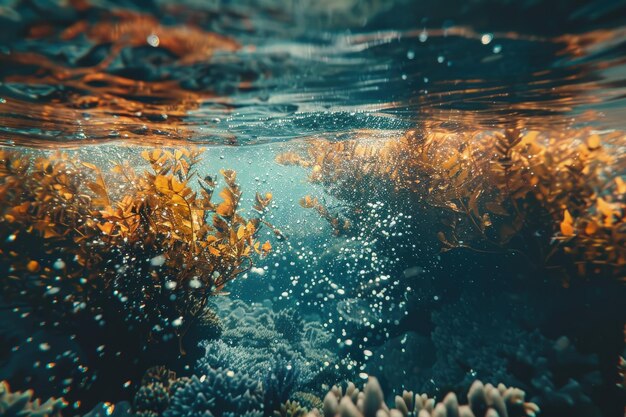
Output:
x=363 y=375
x=410 y=54
x=153 y=40
x=44 y=347
x=53 y=291
x=170 y=285
x=195 y=283
x=177 y=322
x=486 y=38
x=58 y=264
x=157 y=260
x=32 y=266
x=258 y=271
x=413 y=271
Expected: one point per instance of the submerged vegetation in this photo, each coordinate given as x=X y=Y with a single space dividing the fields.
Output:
x=139 y=259
x=225 y=393
x=555 y=197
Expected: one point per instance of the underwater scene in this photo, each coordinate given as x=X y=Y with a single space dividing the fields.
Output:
x=300 y=208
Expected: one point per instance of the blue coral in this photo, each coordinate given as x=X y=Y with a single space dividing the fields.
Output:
x=254 y=337
x=219 y=393
x=280 y=383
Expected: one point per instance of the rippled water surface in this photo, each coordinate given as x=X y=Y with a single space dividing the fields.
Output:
x=238 y=73
x=258 y=201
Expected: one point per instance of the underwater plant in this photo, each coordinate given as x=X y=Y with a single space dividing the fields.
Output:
x=22 y=404
x=140 y=258
x=555 y=197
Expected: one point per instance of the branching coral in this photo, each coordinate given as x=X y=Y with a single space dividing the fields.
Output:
x=218 y=393
x=290 y=409
x=253 y=341
x=545 y=194
x=22 y=404
x=483 y=400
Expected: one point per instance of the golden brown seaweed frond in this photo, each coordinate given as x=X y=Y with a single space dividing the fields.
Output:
x=340 y=225
x=154 y=240
x=556 y=196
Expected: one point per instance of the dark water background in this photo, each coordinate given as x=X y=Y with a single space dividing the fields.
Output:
x=250 y=79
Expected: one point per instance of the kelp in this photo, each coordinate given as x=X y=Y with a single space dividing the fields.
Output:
x=133 y=253
x=556 y=197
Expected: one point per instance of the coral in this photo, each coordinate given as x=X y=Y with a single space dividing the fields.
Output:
x=476 y=336
x=152 y=398
x=289 y=323
x=563 y=379
x=280 y=383
x=218 y=393
x=251 y=342
x=307 y=400
x=483 y=400
x=405 y=361
x=208 y=325
x=290 y=409
x=158 y=375
x=22 y=404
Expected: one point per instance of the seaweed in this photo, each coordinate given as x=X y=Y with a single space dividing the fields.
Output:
x=556 y=198
x=132 y=254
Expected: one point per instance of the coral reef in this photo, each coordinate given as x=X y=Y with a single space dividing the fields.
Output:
x=307 y=400
x=483 y=400
x=22 y=404
x=493 y=338
x=255 y=339
x=279 y=383
x=290 y=409
x=218 y=393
